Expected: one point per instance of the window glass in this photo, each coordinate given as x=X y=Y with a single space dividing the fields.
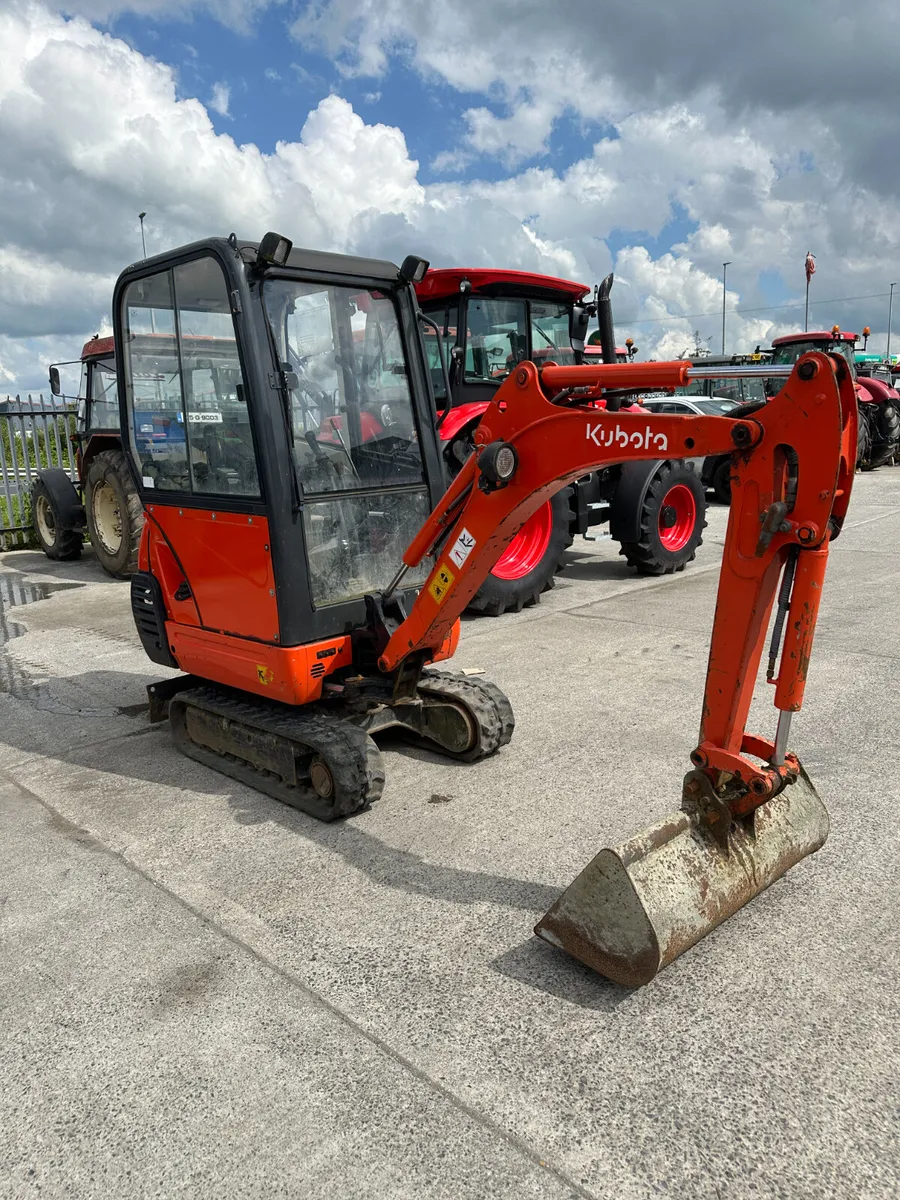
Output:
x=716 y=407
x=355 y=542
x=215 y=404
x=496 y=338
x=183 y=379
x=754 y=389
x=446 y=317
x=726 y=389
x=153 y=383
x=695 y=387
x=104 y=412
x=550 y=337
x=351 y=406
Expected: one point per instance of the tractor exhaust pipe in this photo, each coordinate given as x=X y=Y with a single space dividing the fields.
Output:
x=605 y=320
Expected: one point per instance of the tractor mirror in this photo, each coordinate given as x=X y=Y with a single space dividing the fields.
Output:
x=579 y=319
x=413 y=268
x=273 y=250
x=55 y=387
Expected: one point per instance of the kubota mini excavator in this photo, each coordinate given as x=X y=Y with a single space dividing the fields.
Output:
x=298 y=465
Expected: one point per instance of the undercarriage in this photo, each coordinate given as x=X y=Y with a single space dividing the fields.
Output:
x=322 y=759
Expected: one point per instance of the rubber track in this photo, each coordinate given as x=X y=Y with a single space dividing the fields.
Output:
x=352 y=756
x=488 y=706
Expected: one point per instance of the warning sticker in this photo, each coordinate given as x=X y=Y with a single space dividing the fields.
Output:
x=440 y=583
x=265 y=674
x=462 y=547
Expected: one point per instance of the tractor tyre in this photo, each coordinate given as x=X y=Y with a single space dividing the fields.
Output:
x=56 y=539
x=885 y=434
x=721 y=480
x=528 y=566
x=862 y=440
x=115 y=517
x=673 y=517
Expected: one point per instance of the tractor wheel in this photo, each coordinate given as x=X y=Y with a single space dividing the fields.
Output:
x=885 y=435
x=55 y=539
x=721 y=480
x=530 y=562
x=115 y=517
x=862 y=440
x=673 y=518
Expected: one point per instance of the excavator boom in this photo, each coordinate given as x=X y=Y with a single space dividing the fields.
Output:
x=748 y=810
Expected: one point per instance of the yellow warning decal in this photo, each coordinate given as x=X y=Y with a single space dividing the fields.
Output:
x=265 y=675
x=441 y=582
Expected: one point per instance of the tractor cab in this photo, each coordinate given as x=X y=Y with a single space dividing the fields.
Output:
x=878 y=403
x=97 y=410
x=491 y=320
x=788 y=349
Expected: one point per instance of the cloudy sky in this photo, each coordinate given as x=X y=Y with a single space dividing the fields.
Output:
x=654 y=138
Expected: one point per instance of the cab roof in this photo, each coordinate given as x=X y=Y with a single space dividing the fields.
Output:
x=445 y=281
x=815 y=335
x=97 y=347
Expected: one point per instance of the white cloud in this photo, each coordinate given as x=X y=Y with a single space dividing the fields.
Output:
x=218 y=102
x=77 y=164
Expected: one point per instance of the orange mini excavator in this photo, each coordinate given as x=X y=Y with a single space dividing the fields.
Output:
x=304 y=563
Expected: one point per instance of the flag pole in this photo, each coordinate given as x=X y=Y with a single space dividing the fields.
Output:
x=806 y=315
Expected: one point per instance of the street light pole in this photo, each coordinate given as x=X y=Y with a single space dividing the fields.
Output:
x=887 y=354
x=725 y=267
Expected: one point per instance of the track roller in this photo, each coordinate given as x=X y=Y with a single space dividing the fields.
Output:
x=324 y=766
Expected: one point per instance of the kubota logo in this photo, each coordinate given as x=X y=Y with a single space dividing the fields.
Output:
x=615 y=435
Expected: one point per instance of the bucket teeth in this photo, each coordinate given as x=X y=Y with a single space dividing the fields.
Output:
x=635 y=909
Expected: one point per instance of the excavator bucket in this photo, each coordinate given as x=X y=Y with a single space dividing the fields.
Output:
x=635 y=909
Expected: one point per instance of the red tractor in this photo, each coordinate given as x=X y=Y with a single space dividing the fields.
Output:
x=493 y=320
x=105 y=505
x=879 y=404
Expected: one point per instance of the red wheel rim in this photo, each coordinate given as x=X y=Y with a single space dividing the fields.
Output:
x=677 y=517
x=528 y=547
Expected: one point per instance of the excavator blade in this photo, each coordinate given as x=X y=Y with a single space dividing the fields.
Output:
x=635 y=909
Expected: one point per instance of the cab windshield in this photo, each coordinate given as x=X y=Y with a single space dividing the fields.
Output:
x=787 y=355
x=342 y=354
x=355 y=444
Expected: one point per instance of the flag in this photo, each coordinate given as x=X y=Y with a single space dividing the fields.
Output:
x=810 y=265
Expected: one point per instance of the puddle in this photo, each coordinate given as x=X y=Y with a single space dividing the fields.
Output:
x=15 y=592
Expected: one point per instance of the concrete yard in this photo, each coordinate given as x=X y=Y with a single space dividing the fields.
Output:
x=205 y=993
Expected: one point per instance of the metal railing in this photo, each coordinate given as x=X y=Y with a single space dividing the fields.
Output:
x=34 y=433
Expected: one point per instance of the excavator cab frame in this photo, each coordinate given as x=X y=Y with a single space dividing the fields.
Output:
x=265 y=467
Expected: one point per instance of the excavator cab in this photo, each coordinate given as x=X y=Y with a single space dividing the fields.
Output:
x=287 y=459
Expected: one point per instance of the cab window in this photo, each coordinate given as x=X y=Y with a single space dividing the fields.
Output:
x=184 y=384
x=496 y=338
x=104 y=407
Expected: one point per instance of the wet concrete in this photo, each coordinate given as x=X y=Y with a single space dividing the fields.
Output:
x=15 y=593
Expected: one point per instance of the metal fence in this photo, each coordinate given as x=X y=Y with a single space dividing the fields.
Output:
x=33 y=434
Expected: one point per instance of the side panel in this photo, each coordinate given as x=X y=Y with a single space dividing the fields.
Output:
x=289 y=674
x=228 y=564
